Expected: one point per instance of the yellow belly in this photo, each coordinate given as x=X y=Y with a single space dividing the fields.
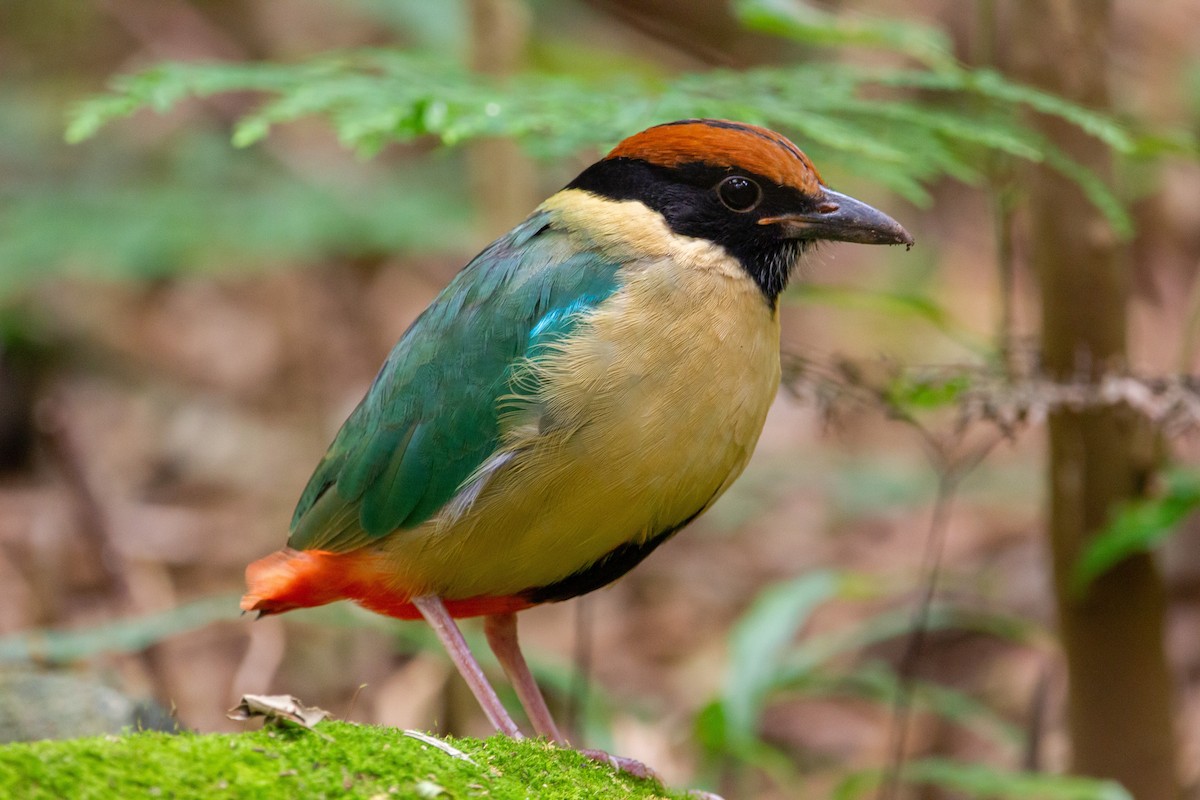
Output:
x=645 y=414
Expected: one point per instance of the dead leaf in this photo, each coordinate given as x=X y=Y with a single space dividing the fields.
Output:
x=277 y=708
x=427 y=790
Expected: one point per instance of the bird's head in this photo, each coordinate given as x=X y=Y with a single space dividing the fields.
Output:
x=745 y=188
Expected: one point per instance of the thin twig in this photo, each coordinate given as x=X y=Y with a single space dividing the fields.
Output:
x=1031 y=760
x=1002 y=219
x=950 y=474
x=930 y=568
x=1009 y=402
x=92 y=517
x=1191 y=329
x=94 y=520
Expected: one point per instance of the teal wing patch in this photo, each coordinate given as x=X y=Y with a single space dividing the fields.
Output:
x=430 y=418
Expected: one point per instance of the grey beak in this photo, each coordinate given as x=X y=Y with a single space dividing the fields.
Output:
x=841 y=218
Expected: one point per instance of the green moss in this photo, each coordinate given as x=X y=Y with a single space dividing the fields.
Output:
x=336 y=760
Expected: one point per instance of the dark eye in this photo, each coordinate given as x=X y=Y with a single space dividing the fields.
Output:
x=738 y=193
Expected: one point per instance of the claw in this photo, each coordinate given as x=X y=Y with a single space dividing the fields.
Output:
x=629 y=766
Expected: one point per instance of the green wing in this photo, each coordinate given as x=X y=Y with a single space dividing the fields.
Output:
x=430 y=417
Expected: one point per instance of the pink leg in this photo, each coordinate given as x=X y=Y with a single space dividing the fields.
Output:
x=501 y=630
x=435 y=613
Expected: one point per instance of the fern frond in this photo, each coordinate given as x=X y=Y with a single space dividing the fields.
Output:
x=859 y=120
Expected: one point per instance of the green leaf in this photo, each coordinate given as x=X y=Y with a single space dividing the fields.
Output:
x=983 y=781
x=128 y=635
x=710 y=727
x=818 y=650
x=878 y=682
x=1138 y=526
x=1171 y=142
x=803 y=22
x=989 y=84
x=851 y=119
x=924 y=392
x=1096 y=190
x=758 y=643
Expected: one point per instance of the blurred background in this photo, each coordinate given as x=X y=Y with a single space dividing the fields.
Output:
x=184 y=324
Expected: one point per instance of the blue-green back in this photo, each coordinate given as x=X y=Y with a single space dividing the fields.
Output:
x=430 y=418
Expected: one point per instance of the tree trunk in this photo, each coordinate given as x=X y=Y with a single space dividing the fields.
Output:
x=503 y=178
x=1119 y=712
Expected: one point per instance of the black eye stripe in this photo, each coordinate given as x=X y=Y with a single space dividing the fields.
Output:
x=739 y=193
x=688 y=198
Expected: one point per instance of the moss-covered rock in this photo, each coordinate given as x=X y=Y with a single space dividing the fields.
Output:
x=336 y=759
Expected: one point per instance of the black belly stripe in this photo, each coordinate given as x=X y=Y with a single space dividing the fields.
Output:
x=607 y=569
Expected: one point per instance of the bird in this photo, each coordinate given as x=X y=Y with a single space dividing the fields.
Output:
x=583 y=389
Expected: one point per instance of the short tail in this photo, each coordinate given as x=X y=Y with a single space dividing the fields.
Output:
x=289 y=579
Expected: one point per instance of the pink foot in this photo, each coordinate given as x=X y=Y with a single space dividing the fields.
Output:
x=629 y=766
x=637 y=769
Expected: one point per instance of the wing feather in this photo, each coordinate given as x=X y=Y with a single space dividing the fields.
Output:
x=432 y=416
